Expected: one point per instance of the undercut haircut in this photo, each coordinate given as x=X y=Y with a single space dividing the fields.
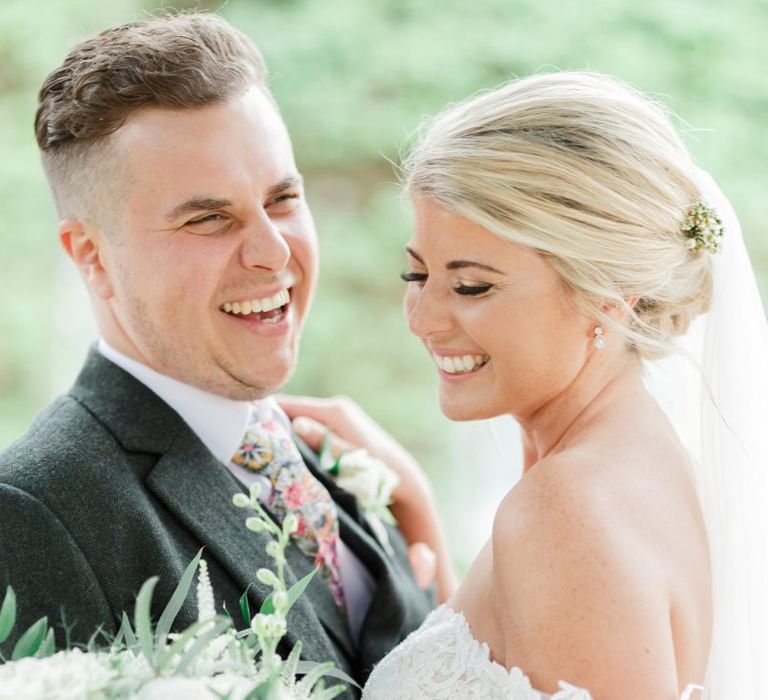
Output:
x=172 y=61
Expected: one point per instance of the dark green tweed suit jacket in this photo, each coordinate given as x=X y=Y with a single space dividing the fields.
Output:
x=110 y=486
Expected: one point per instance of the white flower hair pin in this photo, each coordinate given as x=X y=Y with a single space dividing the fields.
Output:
x=703 y=228
x=369 y=480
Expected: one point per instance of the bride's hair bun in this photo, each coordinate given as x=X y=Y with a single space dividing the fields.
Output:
x=591 y=173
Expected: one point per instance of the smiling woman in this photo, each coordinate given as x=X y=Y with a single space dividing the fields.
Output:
x=563 y=239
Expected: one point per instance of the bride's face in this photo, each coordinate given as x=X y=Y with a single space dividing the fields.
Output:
x=494 y=316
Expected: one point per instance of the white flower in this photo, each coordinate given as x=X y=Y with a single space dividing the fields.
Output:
x=233 y=687
x=68 y=675
x=369 y=479
x=206 y=608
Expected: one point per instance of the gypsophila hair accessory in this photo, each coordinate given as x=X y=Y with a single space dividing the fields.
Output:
x=703 y=228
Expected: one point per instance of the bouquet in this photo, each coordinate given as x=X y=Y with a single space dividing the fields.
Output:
x=209 y=660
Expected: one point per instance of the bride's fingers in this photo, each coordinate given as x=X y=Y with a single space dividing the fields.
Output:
x=423 y=561
x=314 y=432
x=339 y=412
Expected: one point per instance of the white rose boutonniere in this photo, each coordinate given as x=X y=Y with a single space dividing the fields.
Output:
x=370 y=481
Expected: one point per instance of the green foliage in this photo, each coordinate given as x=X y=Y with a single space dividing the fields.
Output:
x=30 y=642
x=7 y=614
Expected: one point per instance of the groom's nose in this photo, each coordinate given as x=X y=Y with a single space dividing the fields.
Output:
x=264 y=245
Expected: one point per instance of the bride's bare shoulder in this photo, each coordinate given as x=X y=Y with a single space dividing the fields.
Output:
x=577 y=576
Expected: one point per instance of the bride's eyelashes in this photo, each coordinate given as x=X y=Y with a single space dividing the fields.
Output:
x=472 y=290
x=464 y=289
x=419 y=277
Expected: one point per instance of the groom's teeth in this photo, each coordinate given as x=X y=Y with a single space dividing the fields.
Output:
x=258 y=305
x=460 y=364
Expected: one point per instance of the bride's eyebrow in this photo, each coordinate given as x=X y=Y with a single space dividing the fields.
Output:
x=456 y=264
x=460 y=264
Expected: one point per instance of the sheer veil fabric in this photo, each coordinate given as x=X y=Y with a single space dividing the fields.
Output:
x=715 y=392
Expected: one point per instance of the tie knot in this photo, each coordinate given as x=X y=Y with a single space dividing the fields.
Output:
x=266 y=443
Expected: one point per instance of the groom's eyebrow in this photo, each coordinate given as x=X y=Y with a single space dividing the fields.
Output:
x=196 y=204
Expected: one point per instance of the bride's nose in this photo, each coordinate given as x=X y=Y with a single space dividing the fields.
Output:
x=427 y=312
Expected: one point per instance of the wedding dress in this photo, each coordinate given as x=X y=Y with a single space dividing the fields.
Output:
x=715 y=392
x=443 y=661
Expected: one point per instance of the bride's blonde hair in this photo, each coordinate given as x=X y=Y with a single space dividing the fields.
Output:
x=591 y=173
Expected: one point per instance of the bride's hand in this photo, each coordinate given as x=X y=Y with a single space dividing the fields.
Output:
x=352 y=428
x=412 y=500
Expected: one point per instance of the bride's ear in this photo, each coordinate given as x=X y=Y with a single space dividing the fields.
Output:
x=85 y=245
x=620 y=312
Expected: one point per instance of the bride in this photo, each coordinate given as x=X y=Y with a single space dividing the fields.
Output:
x=564 y=243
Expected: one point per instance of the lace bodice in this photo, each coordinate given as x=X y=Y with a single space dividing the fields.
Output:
x=443 y=661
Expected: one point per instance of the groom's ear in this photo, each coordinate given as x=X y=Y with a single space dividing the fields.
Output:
x=86 y=245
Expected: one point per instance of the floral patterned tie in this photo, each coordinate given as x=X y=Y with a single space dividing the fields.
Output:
x=267 y=448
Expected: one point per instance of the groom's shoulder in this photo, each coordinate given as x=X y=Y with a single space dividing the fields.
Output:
x=61 y=439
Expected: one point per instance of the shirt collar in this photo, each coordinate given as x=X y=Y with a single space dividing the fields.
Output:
x=218 y=421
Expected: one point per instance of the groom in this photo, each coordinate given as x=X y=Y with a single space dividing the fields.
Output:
x=181 y=206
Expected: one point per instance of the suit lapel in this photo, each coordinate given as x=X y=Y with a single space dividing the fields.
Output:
x=195 y=488
x=386 y=617
x=198 y=491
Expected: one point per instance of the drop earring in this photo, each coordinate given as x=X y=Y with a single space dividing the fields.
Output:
x=599 y=341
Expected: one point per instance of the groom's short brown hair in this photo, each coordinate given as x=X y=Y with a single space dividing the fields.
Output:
x=177 y=61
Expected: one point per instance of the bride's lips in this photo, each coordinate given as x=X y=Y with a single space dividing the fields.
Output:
x=458 y=366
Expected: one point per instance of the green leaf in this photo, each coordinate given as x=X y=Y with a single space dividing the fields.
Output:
x=202 y=641
x=7 y=614
x=177 y=600
x=127 y=631
x=31 y=640
x=291 y=664
x=48 y=647
x=328 y=693
x=268 y=607
x=317 y=670
x=263 y=691
x=165 y=656
x=142 y=617
x=245 y=607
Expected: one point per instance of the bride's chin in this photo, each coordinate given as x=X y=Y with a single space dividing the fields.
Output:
x=456 y=411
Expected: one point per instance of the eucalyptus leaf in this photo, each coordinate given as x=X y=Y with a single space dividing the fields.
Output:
x=7 y=614
x=142 y=617
x=200 y=644
x=177 y=600
x=31 y=640
x=268 y=607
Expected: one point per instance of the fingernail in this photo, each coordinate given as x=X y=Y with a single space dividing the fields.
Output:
x=302 y=426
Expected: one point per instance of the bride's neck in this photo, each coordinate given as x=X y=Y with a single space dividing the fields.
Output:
x=602 y=385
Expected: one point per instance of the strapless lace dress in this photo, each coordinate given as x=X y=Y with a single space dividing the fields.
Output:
x=443 y=661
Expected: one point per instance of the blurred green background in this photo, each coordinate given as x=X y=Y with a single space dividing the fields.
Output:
x=353 y=80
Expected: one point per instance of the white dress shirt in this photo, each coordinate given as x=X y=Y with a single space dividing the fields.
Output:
x=220 y=423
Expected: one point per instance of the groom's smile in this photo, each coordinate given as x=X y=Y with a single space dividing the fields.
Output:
x=212 y=266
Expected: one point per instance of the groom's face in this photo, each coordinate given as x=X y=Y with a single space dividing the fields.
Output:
x=212 y=262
